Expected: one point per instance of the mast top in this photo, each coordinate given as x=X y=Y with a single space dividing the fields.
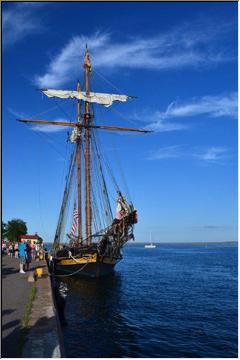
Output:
x=87 y=63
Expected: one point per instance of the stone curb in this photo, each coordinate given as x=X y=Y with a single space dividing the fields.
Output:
x=44 y=337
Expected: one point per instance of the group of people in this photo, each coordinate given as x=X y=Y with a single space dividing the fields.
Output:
x=23 y=251
x=10 y=249
x=25 y=256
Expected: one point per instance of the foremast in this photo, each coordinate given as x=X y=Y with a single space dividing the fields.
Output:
x=79 y=177
x=87 y=122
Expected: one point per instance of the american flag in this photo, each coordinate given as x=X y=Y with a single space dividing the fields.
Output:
x=75 y=220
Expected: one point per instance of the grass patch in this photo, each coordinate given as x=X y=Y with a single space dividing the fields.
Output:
x=28 y=310
x=26 y=318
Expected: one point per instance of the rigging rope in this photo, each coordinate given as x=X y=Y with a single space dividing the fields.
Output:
x=65 y=202
x=69 y=116
x=106 y=80
x=43 y=112
x=39 y=192
x=67 y=154
x=107 y=202
x=41 y=134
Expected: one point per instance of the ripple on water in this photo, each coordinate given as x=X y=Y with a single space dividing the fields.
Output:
x=174 y=301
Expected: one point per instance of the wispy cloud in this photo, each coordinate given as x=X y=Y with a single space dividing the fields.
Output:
x=210 y=155
x=189 y=45
x=160 y=123
x=67 y=63
x=213 y=227
x=38 y=127
x=49 y=128
x=211 y=106
x=20 y=20
x=168 y=152
x=16 y=114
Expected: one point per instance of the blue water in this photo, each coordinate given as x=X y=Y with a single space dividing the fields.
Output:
x=172 y=301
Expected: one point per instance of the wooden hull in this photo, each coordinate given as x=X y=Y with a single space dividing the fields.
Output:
x=84 y=268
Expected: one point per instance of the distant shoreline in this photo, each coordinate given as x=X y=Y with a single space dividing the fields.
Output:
x=177 y=243
x=188 y=243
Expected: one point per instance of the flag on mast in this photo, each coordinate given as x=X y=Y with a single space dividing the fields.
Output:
x=75 y=220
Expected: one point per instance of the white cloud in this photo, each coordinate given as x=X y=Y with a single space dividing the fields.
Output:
x=168 y=152
x=208 y=155
x=212 y=154
x=211 y=106
x=184 y=46
x=160 y=124
x=67 y=64
x=45 y=128
x=49 y=128
x=20 y=20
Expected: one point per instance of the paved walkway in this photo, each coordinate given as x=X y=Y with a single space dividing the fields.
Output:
x=15 y=295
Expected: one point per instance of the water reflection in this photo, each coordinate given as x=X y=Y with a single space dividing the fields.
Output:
x=60 y=291
x=95 y=326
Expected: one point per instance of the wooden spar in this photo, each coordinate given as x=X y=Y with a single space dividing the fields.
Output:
x=87 y=118
x=103 y=127
x=62 y=123
x=79 y=179
x=107 y=127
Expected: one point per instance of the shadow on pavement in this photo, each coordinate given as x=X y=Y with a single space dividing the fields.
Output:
x=38 y=341
x=8 y=270
x=10 y=344
x=7 y=312
x=10 y=324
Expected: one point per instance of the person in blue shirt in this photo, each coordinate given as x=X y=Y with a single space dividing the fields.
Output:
x=22 y=255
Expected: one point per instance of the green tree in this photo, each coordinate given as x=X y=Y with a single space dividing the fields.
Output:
x=40 y=240
x=15 y=228
x=4 y=230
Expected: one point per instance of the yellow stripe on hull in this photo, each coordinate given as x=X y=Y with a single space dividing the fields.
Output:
x=75 y=261
x=85 y=259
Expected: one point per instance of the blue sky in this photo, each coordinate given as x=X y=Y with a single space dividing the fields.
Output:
x=179 y=59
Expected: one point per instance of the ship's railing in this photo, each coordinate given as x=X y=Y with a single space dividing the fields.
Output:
x=116 y=235
x=109 y=241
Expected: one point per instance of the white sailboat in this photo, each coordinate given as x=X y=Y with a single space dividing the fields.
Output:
x=151 y=245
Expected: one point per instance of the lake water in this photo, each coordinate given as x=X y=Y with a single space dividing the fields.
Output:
x=171 y=301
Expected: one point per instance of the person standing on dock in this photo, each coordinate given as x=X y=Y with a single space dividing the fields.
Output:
x=16 y=250
x=10 y=250
x=28 y=256
x=22 y=253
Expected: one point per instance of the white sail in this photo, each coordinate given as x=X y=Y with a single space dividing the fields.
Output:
x=93 y=97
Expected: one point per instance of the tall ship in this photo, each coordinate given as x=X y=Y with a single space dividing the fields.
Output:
x=92 y=247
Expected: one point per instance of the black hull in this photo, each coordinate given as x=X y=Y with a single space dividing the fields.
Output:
x=92 y=270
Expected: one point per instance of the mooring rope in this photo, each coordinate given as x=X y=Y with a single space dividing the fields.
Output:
x=73 y=272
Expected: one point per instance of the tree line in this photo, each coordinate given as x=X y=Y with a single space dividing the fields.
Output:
x=13 y=229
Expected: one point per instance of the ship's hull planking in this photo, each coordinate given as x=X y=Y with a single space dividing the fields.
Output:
x=91 y=269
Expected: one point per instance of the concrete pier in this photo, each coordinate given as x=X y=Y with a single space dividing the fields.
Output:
x=42 y=337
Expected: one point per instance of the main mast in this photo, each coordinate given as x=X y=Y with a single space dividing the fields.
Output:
x=79 y=178
x=87 y=120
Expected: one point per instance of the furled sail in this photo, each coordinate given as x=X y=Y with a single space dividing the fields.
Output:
x=92 y=97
